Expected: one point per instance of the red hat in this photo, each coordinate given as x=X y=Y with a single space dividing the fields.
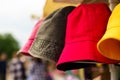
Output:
x=85 y=26
x=26 y=47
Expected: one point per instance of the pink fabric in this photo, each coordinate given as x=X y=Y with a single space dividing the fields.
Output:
x=85 y=26
x=26 y=47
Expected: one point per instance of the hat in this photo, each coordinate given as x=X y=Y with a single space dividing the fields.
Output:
x=26 y=47
x=50 y=39
x=109 y=44
x=51 y=6
x=85 y=26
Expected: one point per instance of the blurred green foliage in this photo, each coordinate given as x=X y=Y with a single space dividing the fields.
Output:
x=8 y=44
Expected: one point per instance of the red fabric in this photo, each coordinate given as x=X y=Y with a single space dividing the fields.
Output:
x=26 y=47
x=85 y=26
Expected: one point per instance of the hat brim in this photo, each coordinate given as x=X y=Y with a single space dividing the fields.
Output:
x=25 y=48
x=109 y=45
x=81 y=54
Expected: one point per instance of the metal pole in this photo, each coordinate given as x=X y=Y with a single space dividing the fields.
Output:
x=112 y=67
x=113 y=72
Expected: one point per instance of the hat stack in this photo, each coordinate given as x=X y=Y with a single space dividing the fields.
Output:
x=85 y=26
x=24 y=50
x=50 y=38
x=73 y=37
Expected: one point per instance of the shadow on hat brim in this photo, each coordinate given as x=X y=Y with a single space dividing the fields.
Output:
x=75 y=53
x=75 y=65
x=109 y=45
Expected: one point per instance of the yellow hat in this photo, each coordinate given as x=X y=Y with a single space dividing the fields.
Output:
x=109 y=45
x=50 y=6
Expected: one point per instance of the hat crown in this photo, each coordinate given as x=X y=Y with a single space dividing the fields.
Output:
x=55 y=25
x=114 y=20
x=35 y=29
x=87 y=22
x=50 y=38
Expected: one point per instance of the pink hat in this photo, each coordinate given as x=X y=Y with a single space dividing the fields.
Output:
x=26 y=47
x=85 y=26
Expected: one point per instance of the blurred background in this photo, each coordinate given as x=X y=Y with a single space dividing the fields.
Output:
x=17 y=19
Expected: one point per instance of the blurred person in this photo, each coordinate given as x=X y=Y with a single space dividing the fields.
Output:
x=29 y=68
x=3 y=65
x=94 y=72
x=48 y=64
x=16 y=68
x=38 y=70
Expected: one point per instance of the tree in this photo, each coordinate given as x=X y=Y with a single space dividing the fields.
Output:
x=8 y=44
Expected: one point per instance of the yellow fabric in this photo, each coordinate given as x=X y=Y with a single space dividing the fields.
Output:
x=109 y=45
x=50 y=6
x=81 y=74
x=99 y=65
